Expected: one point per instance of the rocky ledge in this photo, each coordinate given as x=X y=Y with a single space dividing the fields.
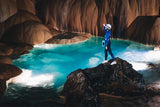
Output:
x=67 y=38
x=84 y=86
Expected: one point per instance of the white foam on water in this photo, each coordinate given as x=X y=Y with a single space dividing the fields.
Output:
x=46 y=46
x=139 y=66
x=26 y=78
x=93 y=61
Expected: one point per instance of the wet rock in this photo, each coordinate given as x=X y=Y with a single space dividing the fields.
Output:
x=67 y=38
x=29 y=32
x=145 y=29
x=8 y=71
x=5 y=60
x=5 y=50
x=7 y=9
x=19 y=49
x=119 y=80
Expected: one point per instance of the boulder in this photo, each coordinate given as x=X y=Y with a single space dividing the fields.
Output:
x=20 y=17
x=83 y=86
x=5 y=50
x=145 y=29
x=5 y=60
x=67 y=38
x=8 y=71
x=29 y=32
x=7 y=9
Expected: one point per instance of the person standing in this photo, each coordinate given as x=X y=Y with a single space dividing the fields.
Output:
x=107 y=29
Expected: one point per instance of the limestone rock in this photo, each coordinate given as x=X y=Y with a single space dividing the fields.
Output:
x=5 y=50
x=20 y=17
x=7 y=9
x=29 y=32
x=8 y=71
x=19 y=49
x=26 y=5
x=89 y=15
x=118 y=80
x=67 y=38
x=145 y=29
x=5 y=60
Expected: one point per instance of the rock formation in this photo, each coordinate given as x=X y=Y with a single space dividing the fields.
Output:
x=5 y=50
x=5 y=60
x=20 y=17
x=145 y=30
x=7 y=9
x=29 y=32
x=88 y=16
x=78 y=16
x=68 y=38
x=83 y=86
x=7 y=71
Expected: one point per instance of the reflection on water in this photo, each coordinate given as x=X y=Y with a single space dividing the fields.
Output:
x=49 y=64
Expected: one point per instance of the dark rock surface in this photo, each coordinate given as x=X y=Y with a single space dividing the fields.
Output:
x=5 y=60
x=8 y=71
x=119 y=80
x=5 y=50
x=145 y=30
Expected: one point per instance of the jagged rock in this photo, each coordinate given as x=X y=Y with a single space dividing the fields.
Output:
x=7 y=9
x=145 y=29
x=20 y=17
x=26 y=5
x=5 y=60
x=119 y=80
x=5 y=50
x=8 y=71
x=29 y=32
x=67 y=38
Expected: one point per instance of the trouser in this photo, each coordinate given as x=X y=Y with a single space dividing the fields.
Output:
x=110 y=52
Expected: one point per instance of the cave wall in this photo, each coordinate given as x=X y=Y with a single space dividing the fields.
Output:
x=89 y=15
x=74 y=16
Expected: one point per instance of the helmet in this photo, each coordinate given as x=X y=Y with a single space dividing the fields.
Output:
x=108 y=26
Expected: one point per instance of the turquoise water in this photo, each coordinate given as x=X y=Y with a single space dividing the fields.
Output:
x=49 y=64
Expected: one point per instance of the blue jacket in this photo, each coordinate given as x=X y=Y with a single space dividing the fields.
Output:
x=107 y=36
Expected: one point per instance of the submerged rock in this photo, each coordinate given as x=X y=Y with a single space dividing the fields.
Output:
x=119 y=80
